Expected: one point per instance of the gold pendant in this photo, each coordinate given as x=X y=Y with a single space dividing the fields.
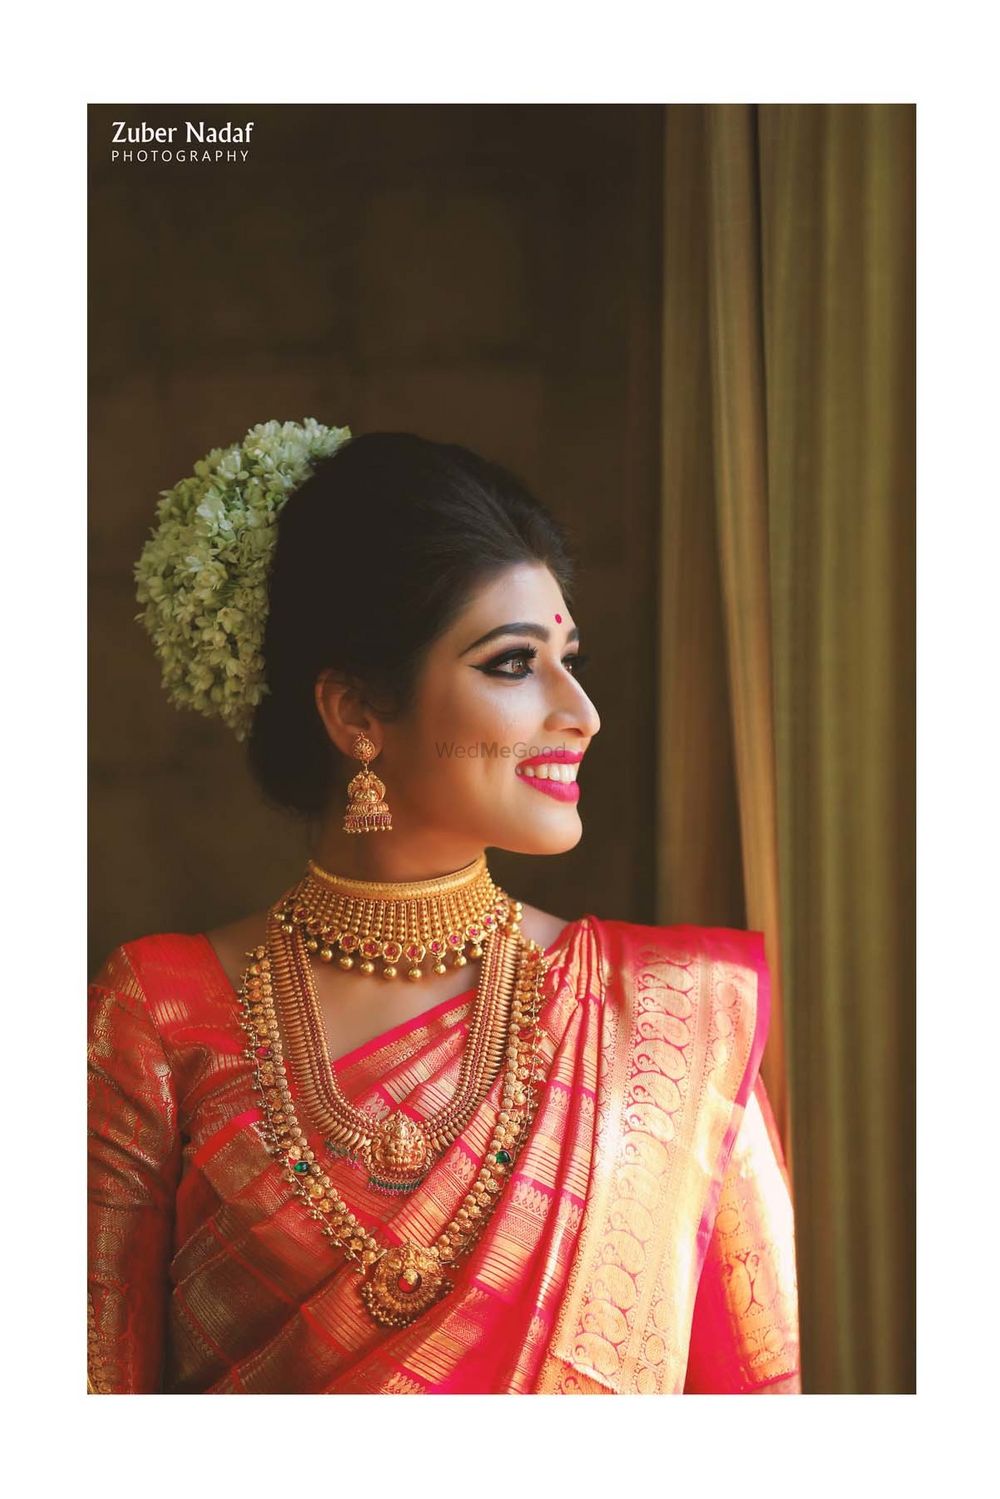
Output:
x=404 y=1282
x=399 y=1155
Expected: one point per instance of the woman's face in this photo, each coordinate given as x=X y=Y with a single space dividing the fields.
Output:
x=455 y=770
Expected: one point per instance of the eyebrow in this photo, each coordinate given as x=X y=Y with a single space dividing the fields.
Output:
x=538 y=632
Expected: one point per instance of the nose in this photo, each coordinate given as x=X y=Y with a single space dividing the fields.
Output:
x=577 y=715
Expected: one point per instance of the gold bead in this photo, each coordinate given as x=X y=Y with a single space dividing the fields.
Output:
x=414 y=973
x=389 y=971
x=460 y=960
x=439 y=967
x=366 y=967
x=312 y=945
x=475 y=952
x=346 y=961
x=326 y=954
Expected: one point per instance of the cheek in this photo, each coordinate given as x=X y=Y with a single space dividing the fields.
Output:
x=479 y=779
x=467 y=709
x=472 y=707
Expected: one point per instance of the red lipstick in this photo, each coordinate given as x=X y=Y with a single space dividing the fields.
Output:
x=563 y=791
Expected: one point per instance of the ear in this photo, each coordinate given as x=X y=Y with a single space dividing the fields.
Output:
x=340 y=706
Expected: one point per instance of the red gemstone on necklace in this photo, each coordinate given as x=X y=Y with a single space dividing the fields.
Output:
x=405 y=1286
x=262 y=1051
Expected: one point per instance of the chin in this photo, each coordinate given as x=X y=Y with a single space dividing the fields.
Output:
x=541 y=837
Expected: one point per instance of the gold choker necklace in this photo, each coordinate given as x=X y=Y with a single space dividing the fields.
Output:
x=370 y=922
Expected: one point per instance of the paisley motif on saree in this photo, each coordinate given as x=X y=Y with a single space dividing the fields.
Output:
x=643 y=1243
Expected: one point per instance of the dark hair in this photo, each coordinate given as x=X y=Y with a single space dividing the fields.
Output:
x=376 y=555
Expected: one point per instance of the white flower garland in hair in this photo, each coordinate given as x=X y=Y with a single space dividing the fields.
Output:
x=202 y=575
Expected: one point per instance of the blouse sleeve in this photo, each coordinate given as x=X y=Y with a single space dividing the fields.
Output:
x=133 y=1169
x=745 y=1333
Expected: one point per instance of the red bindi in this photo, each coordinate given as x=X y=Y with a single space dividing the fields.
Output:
x=558 y=619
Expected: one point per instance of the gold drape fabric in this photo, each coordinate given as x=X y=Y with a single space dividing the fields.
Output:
x=787 y=786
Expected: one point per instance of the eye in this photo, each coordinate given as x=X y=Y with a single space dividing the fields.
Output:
x=575 y=663
x=527 y=653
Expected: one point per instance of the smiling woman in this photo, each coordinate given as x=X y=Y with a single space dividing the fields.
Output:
x=399 y=1133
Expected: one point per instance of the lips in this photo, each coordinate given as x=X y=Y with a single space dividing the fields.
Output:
x=562 y=791
x=544 y=776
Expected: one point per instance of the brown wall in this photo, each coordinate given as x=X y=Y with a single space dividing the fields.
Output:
x=481 y=274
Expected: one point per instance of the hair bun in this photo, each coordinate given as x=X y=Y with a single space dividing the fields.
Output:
x=202 y=575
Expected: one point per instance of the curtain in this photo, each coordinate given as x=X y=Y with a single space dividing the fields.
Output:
x=786 y=791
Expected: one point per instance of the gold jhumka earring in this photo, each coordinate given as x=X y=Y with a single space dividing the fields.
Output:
x=367 y=810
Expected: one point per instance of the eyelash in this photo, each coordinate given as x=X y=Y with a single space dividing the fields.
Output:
x=528 y=653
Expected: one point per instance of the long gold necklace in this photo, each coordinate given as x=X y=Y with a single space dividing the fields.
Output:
x=397 y=924
x=399 y=1281
x=397 y=1150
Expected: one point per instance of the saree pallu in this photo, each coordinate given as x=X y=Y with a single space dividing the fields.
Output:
x=643 y=1242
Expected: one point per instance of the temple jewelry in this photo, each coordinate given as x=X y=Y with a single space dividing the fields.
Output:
x=396 y=1149
x=368 y=922
x=401 y=1281
x=367 y=811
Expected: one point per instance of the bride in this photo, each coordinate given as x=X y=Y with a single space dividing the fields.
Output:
x=399 y=1132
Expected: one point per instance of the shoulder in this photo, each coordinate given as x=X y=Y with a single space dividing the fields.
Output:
x=541 y=926
x=684 y=943
x=718 y=974
x=157 y=966
x=693 y=1001
x=170 y=986
x=231 y=943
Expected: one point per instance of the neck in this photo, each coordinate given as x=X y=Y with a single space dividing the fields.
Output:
x=384 y=857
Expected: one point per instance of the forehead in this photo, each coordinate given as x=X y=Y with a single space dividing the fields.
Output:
x=525 y=591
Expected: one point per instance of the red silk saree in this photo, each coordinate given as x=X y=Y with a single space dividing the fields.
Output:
x=643 y=1242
